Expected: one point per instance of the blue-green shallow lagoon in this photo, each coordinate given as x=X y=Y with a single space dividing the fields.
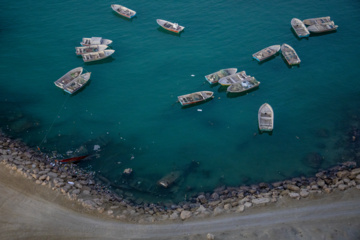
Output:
x=129 y=107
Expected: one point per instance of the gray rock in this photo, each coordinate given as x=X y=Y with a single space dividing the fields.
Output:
x=240 y=208
x=248 y=204
x=210 y=236
x=174 y=216
x=343 y=174
x=342 y=187
x=86 y=192
x=218 y=210
x=320 y=183
x=258 y=201
x=185 y=214
x=89 y=204
x=355 y=171
x=293 y=188
x=52 y=175
x=304 y=193
x=294 y=195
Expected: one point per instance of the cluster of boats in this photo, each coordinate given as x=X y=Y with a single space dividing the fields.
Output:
x=94 y=49
x=73 y=80
x=313 y=25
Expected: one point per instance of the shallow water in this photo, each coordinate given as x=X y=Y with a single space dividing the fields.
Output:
x=129 y=107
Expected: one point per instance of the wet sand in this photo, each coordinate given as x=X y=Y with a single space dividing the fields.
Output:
x=30 y=211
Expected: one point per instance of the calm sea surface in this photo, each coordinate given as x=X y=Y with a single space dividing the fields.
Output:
x=129 y=107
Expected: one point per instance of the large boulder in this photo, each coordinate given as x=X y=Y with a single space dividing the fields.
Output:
x=185 y=214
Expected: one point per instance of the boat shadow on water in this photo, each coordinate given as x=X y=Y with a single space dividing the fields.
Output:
x=234 y=95
x=312 y=34
x=160 y=29
x=102 y=61
x=265 y=132
x=196 y=104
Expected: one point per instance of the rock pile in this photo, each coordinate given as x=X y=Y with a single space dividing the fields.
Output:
x=80 y=186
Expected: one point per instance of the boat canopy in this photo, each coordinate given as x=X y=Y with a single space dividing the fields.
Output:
x=96 y=40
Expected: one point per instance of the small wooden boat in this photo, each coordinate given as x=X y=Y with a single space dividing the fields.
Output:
x=214 y=77
x=290 y=55
x=234 y=78
x=266 y=118
x=173 y=27
x=123 y=11
x=88 y=49
x=68 y=77
x=169 y=179
x=320 y=20
x=299 y=28
x=77 y=83
x=72 y=160
x=243 y=86
x=266 y=53
x=195 y=97
x=95 y=41
x=324 y=27
x=96 y=56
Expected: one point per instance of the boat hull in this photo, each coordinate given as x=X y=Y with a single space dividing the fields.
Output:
x=196 y=97
x=266 y=118
x=169 y=26
x=216 y=76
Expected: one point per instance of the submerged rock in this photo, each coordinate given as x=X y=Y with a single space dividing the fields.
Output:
x=313 y=160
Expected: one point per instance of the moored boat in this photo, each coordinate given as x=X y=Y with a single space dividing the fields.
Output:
x=324 y=27
x=319 y=20
x=243 y=85
x=266 y=118
x=88 y=49
x=96 y=56
x=299 y=28
x=173 y=27
x=68 y=77
x=266 y=53
x=290 y=55
x=237 y=77
x=195 y=97
x=123 y=11
x=214 y=77
x=95 y=41
x=77 y=83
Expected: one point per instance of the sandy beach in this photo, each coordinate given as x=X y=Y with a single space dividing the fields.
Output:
x=30 y=211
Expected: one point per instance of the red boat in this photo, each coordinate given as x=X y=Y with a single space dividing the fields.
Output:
x=72 y=160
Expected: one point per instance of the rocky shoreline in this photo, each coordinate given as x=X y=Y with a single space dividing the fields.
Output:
x=80 y=186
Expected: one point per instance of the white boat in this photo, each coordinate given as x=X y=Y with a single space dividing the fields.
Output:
x=319 y=20
x=214 y=77
x=290 y=55
x=173 y=27
x=324 y=27
x=243 y=85
x=68 y=77
x=95 y=41
x=96 y=56
x=237 y=77
x=123 y=11
x=195 y=97
x=77 y=83
x=266 y=53
x=266 y=118
x=88 y=49
x=299 y=28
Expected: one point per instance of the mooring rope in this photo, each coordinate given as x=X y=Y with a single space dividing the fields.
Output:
x=52 y=124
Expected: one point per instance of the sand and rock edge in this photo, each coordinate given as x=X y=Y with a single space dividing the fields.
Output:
x=79 y=187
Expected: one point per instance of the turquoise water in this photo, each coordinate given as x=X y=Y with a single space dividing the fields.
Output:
x=129 y=107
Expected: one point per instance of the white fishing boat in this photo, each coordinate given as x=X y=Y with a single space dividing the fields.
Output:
x=89 y=49
x=266 y=118
x=290 y=55
x=299 y=28
x=96 y=56
x=77 y=83
x=266 y=53
x=319 y=20
x=214 y=77
x=243 y=85
x=68 y=77
x=95 y=41
x=234 y=78
x=123 y=11
x=324 y=27
x=173 y=27
x=195 y=97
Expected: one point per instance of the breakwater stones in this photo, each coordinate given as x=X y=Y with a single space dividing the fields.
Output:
x=79 y=186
